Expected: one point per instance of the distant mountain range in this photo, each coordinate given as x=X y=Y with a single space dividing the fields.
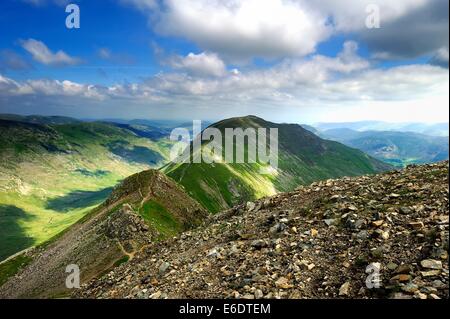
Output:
x=39 y=119
x=437 y=129
x=396 y=148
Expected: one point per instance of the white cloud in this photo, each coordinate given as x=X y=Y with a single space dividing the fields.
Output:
x=240 y=30
x=291 y=74
x=52 y=88
x=346 y=82
x=6 y=84
x=42 y=54
x=203 y=64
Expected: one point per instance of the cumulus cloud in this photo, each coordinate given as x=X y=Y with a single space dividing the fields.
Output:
x=409 y=28
x=54 y=88
x=320 y=80
x=42 y=54
x=240 y=30
x=203 y=64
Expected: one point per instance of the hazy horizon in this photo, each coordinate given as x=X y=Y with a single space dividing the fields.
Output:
x=212 y=120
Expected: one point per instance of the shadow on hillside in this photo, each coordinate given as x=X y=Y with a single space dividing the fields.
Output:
x=12 y=236
x=137 y=154
x=96 y=173
x=78 y=199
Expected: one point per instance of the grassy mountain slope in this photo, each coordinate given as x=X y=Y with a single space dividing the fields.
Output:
x=396 y=148
x=303 y=158
x=51 y=175
x=145 y=207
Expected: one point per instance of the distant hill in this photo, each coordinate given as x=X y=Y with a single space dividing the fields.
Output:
x=39 y=119
x=143 y=130
x=303 y=158
x=160 y=124
x=52 y=174
x=397 y=148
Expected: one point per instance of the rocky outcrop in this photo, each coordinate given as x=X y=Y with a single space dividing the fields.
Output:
x=382 y=236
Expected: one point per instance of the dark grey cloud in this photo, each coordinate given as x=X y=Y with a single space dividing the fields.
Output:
x=424 y=30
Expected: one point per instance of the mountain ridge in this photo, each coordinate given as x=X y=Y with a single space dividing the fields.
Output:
x=318 y=241
x=145 y=207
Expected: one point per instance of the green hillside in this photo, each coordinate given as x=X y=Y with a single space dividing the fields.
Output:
x=52 y=174
x=303 y=158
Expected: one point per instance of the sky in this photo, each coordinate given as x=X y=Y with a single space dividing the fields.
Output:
x=293 y=61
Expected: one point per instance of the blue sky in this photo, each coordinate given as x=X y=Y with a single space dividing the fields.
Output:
x=285 y=60
x=105 y=24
